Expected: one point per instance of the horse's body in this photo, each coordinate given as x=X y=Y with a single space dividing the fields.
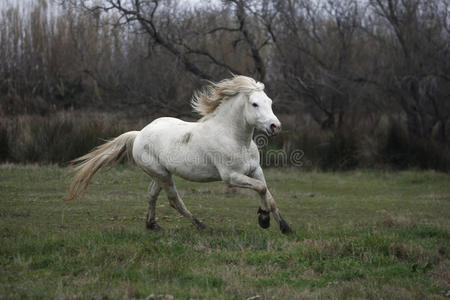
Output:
x=176 y=148
x=217 y=147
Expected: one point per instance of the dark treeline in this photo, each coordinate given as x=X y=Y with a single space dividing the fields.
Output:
x=355 y=83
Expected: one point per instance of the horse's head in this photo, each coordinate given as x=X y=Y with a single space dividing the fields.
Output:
x=258 y=113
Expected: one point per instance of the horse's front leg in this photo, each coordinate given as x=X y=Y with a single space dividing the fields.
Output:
x=258 y=183
x=268 y=205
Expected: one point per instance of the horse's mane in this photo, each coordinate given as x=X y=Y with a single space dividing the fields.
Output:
x=206 y=100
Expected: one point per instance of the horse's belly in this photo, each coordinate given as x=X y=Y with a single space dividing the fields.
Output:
x=198 y=177
x=191 y=170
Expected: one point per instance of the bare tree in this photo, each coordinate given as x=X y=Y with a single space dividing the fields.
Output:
x=178 y=31
x=416 y=36
x=317 y=47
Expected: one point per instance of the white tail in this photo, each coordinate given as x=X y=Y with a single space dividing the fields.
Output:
x=112 y=151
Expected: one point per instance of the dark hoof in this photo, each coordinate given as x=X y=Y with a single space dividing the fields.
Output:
x=152 y=225
x=199 y=224
x=284 y=227
x=263 y=218
x=264 y=221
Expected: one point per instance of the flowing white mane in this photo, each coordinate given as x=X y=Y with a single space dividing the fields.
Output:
x=209 y=98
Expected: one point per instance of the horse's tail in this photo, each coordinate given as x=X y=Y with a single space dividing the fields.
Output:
x=110 y=152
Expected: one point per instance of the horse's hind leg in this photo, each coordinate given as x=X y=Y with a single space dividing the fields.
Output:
x=153 y=191
x=177 y=203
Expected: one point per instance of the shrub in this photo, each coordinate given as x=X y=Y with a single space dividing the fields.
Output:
x=63 y=136
x=58 y=138
x=401 y=150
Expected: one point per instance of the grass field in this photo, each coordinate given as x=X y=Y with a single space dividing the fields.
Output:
x=361 y=234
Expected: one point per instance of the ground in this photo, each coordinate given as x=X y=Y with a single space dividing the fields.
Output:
x=359 y=234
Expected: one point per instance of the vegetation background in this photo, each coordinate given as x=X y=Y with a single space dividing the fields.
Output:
x=355 y=83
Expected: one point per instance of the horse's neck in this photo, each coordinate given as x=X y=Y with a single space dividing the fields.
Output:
x=229 y=117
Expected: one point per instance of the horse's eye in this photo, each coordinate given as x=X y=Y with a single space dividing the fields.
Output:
x=254 y=104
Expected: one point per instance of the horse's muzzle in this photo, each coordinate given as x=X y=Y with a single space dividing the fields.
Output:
x=274 y=129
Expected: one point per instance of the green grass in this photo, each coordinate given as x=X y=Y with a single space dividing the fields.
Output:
x=361 y=234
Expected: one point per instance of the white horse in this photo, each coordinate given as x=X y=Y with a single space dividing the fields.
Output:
x=217 y=147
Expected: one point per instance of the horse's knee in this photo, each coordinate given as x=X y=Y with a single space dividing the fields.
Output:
x=262 y=189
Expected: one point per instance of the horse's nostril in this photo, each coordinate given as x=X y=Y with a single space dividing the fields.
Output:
x=273 y=127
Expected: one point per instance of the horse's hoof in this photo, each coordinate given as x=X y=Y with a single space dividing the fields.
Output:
x=264 y=221
x=284 y=227
x=199 y=224
x=263 y=218
x=152 y=225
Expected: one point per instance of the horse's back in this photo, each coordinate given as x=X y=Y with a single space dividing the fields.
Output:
x=167 y=125
x=161 y=132
x=164 y=123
